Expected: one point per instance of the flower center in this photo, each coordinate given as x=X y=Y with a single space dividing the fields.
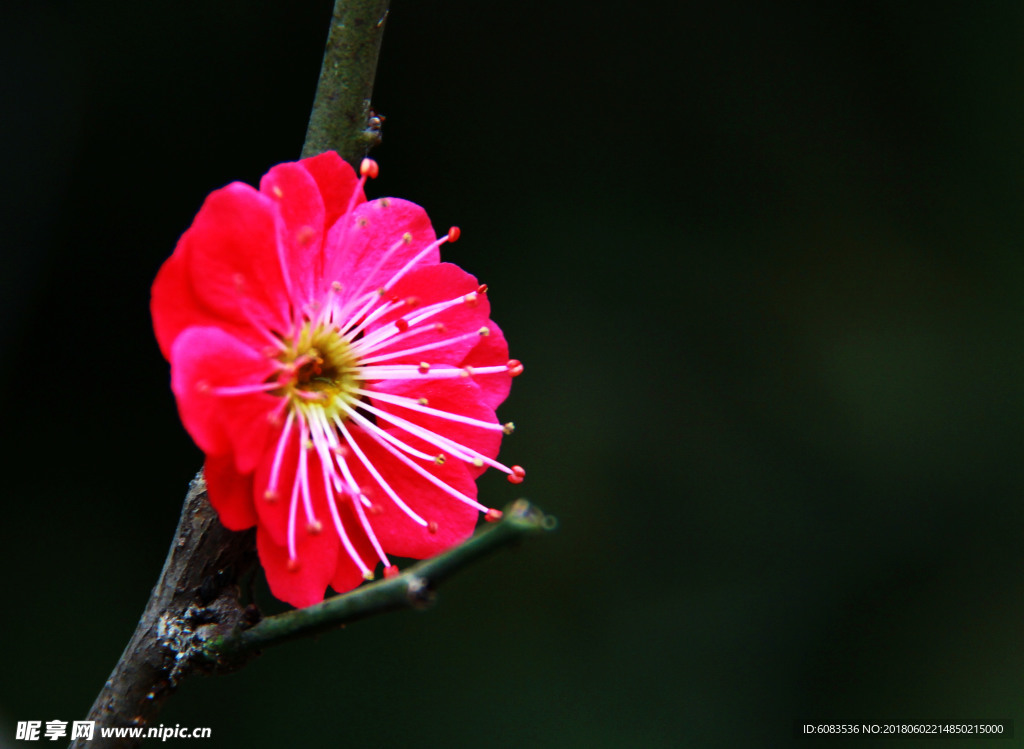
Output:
x=319 y=369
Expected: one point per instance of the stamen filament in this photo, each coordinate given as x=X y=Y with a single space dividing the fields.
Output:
x=413 y=405
x=375 y=473
x=275 y=468
x=259 y=387
x=418 y=349
x=339 y=527
x=462 y=452
x=451 y=491
x=413 y=372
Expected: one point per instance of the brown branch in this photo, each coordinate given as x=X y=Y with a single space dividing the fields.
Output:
x=341 y=119
x=195 y=599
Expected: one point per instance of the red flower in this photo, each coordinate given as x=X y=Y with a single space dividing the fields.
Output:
x=341 y=380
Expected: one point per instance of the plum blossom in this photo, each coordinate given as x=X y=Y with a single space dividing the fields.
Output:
x=341 y=380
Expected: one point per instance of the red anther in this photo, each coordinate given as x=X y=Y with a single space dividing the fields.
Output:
x=315 y=527
x=481 y=289
x=424 y=367
x=515 y=367
x=440 y=327
x=369 y=168
x=270 y=495
x=432 y=527
x=304 y=236
x=391 y=571
x=517 y=475
x=402 y=324
x=453 y=234
x=492 y=515
x=293 y=565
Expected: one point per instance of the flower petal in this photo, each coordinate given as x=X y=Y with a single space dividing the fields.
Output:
x=490 y=350
x=175 y=307
x=347 y=574
x=233 y=257
x=304 y=583
x=302 y=225
x=460 y=396
x=397 y=532
x=230 y=492
x=430 y=285
x=336 y=181
x=357 y=244
x=204 y=360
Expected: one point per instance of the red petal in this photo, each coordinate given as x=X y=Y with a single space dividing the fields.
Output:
x=272 y=505
x=298 y=199
x=203 y=359
x=175 y=307
x=230 y=492
x=347 y=574
x=490 y=351
x=459 y=396
x=356 y=243
x=397 y=532
x=336 y=181
x=438 y=283
x=233 y=258
x=305 y=583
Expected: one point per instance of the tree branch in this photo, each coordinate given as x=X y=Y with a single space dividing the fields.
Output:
x=195 y=598
x=342 y=120
x=414 y=588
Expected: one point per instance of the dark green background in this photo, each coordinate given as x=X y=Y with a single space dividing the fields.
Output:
x=763 y=263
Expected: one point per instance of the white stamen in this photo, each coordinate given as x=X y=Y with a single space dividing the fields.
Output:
x=275 y=468
x=451 y=491
x=462 y=452
x=376 y=474
x=417 y=349
x=413 y=405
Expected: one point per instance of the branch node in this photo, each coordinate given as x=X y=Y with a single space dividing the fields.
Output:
x=418 y=592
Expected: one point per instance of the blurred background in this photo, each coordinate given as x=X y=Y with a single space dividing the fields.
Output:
x=763 y=263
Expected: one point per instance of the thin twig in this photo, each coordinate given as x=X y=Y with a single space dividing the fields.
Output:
x=412 y=589
x=341 y=119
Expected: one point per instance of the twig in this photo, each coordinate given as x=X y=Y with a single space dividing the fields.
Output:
x=341 y=119
x=412 y=589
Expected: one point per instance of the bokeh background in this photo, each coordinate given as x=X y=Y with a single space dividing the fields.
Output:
x=762 y=260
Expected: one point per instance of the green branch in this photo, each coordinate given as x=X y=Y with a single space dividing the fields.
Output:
x=412 y=589
x=341 y=119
